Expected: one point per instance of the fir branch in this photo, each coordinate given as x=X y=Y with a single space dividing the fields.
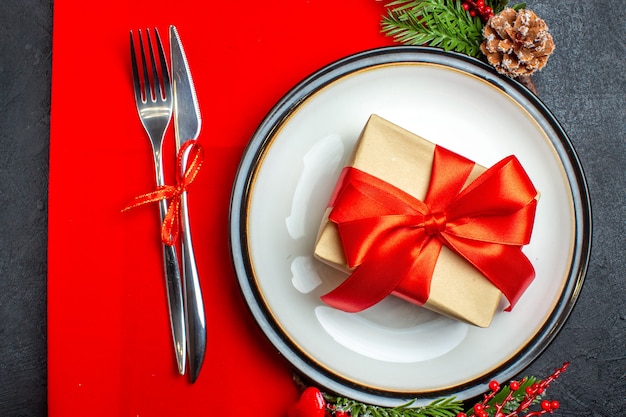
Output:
x=444 y=407
x=438 y=23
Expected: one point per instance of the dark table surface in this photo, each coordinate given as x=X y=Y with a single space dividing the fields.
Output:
x=584 y=86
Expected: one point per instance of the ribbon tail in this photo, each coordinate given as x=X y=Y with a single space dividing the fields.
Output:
x=170 y=227
x=161 y=193
x=505 y=266
x=417 y=281
x=374 y=279
x=359 y=291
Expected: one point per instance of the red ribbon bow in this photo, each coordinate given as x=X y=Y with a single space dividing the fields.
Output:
x=393 y=239
x=171 y=222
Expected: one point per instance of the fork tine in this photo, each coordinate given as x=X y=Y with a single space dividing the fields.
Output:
x=155 y=87
x=136 y=80
x=165 y=72
x=147 y=88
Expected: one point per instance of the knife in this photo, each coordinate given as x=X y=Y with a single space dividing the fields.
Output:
x=187 y=123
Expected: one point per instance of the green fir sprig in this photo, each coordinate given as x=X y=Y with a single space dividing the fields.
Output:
x=444 y=407
x=439 y=23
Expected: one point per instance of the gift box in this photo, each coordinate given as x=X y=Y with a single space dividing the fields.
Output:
x=415 y=220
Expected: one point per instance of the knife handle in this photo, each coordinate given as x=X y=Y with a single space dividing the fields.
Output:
x=173 y=284
x=194 y=306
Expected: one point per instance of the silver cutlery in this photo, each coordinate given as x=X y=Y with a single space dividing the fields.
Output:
x=187 y=122
x=153 y=96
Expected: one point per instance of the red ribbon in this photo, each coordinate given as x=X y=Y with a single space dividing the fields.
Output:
x=393 y=240
x=171 y=222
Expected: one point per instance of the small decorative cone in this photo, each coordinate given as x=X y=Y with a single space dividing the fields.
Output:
x=517 y=43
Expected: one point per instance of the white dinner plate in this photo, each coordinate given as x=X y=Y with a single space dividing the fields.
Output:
x=396 y=351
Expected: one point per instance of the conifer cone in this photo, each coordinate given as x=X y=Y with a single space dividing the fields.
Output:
x=517 y=43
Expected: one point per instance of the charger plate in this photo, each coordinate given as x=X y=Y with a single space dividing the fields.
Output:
x=396 y=351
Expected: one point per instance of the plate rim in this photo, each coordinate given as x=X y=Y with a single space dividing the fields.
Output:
x=281 y=111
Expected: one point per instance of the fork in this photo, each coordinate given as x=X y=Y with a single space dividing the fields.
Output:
x=153 y=96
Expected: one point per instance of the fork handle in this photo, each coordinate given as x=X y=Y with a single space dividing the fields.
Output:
x=175 y=299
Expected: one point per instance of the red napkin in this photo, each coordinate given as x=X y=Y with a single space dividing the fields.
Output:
x=110 y=350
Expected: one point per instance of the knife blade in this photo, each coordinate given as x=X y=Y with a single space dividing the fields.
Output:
x=187 y=123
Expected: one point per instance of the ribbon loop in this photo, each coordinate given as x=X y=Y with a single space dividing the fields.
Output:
x=486 y=223
x=193 y=153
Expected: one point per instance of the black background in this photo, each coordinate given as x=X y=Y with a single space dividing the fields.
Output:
x=584 y=85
